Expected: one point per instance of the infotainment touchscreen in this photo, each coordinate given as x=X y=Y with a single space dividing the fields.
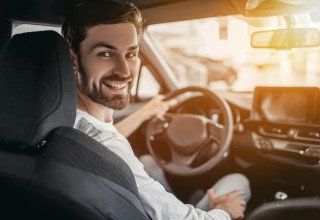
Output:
x=286 y=104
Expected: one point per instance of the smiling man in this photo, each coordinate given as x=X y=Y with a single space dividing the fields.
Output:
x=105 y=67
x=103 y=38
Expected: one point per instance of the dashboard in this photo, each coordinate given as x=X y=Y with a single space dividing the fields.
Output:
x=285 y=123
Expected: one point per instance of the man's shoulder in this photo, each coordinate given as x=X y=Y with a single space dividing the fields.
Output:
x=101 y=132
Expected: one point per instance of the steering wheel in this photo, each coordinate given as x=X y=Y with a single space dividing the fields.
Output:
x=195 y=144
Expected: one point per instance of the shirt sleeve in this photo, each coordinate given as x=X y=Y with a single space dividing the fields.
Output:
x=157 y=202
x=162 y=205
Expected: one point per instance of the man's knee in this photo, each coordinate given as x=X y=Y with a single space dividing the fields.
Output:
x=149 y=163
x=231 y=182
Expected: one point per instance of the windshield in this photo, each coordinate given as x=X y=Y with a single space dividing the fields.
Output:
x=216 y=53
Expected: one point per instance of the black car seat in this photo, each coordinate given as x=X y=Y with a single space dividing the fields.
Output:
x=307 y=208
x=48 y=170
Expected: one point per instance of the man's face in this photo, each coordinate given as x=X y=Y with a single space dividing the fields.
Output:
x=108 y=63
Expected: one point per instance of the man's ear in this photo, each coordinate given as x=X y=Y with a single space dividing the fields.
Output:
x=75 y=61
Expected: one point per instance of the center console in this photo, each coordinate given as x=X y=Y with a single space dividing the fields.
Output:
x=285 y=123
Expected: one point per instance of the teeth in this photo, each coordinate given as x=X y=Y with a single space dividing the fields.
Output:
x=116 y=85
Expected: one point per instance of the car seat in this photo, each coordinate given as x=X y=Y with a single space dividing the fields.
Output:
x=291 y=209
x=48 y=170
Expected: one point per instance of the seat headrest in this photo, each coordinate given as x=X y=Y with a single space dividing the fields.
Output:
x=37 y=89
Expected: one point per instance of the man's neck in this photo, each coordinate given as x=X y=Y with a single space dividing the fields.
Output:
x=98 y=111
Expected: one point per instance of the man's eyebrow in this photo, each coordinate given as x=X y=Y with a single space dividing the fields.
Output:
x=134 y=47
x=111 y=47
x=102 y=44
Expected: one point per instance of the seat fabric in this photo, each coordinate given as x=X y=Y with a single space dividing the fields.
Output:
x=48 y=170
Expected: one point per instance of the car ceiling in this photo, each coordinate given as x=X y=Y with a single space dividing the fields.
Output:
x=155 y=11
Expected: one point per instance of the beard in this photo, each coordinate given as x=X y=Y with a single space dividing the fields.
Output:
x=95 y=93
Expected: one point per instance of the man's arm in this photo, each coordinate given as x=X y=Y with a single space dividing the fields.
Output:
x=155 y=107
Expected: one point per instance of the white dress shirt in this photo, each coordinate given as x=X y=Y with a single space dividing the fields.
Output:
x=157 y=202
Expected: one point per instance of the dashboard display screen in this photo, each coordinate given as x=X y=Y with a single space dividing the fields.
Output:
x=285 y=104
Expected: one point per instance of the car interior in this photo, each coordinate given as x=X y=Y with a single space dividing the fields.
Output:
x=269 y=131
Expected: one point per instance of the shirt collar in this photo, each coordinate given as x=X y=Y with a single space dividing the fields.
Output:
x=101 y=124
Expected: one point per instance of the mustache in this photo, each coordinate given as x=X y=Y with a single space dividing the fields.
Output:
x=116 y=77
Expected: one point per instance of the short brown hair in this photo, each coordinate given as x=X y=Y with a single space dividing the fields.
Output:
x=94 y=12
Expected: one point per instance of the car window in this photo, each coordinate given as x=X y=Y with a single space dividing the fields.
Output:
x=216 y=53
x=146 y=86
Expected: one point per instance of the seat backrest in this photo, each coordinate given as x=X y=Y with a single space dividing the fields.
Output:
x=48 y=170
x=290 y=209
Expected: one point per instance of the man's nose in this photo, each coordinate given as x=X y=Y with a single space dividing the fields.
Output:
x=122 y=67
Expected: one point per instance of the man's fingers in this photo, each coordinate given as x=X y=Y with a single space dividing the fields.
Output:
x=160 y=97
x=172 y=102
x=240 y=217
x=212 y=198
x=211 y=194
x=236 y=193
x=243 y=203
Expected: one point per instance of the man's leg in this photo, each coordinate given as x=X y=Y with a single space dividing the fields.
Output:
x=226 y=184
x=155 y=171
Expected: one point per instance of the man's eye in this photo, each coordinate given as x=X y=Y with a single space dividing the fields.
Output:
x=105 y=54
x=131 y=55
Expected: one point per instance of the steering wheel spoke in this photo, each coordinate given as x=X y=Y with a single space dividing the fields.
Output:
x=185 y=160
x=158 y=126
x=215 y=131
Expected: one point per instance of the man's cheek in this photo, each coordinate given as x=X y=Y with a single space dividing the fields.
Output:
x=95 y=82
x=134 y=74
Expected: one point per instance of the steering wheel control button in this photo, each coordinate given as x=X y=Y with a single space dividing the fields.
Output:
x=280 y=196
x=166 y=125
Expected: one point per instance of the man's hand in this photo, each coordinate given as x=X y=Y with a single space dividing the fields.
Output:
x=157 y=107
x=230 y=202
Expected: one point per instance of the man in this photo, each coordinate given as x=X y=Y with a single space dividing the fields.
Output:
x=103 y=39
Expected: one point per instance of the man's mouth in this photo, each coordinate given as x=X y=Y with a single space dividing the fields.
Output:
x=116 y=85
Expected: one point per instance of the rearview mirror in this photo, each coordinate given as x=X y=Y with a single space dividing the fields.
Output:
x=284 y=39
